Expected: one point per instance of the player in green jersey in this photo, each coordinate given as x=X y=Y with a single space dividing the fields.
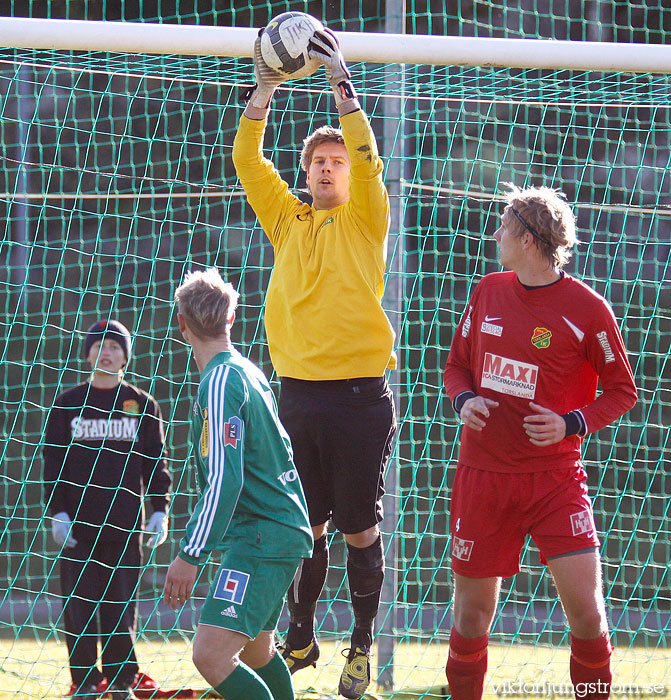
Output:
x=252 y=508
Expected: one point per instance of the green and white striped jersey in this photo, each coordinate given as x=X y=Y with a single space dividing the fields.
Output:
x=251 y=494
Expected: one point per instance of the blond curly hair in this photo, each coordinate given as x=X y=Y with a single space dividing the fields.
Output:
x=545 y=213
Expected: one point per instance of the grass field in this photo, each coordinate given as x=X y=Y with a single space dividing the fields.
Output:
x=33 y=669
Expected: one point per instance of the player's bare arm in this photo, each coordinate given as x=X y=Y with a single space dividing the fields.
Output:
x=179 y=583
x=475 y=410
x=544 y=427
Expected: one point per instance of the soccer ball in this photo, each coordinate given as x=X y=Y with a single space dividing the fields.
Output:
x=284 y=44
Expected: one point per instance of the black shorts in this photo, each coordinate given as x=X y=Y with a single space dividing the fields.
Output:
x=342 y=434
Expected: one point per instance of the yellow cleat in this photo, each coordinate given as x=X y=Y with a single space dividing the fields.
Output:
x=298 y=659
x=355 y=677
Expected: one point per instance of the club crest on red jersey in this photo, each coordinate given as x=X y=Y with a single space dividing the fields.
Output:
x=232 y=432
x=541 y=338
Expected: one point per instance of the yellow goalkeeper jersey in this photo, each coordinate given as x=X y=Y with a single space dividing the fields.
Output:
x=323 y=315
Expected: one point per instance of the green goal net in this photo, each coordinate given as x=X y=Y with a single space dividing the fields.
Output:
x=116 y=177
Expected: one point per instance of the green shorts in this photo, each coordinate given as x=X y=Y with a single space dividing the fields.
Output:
x=247 y=593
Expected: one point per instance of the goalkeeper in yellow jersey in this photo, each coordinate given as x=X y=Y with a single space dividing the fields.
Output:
x=330 y=342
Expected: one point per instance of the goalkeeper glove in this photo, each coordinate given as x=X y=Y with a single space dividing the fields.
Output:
x=325 y=48
x=61 y=526
x=157 y=527
x=267 y=79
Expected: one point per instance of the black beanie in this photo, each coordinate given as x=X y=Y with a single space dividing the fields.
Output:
x=110 y=330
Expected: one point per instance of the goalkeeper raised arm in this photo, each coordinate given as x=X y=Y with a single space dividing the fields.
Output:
x=330 y=342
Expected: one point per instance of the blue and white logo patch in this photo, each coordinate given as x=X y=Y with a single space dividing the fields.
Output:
x=231 y=586
x=232 y=432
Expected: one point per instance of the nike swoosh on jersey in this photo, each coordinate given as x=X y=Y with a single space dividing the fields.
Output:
x=489 y=319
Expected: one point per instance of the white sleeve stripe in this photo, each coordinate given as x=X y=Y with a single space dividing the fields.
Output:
x=216 y=393
x=583 y=424
x=216 y=436
x=218 y=451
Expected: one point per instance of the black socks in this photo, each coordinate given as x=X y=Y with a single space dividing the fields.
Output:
x=365 y=573
x=304 y=593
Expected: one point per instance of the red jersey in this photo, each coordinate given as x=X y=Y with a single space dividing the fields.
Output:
x=550 y=345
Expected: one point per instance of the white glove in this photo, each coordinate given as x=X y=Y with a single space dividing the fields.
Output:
x=61 y=526
x=325 y=48
x=157 y=527
x=267 y=79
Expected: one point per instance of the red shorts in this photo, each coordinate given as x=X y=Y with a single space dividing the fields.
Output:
x=491 y=514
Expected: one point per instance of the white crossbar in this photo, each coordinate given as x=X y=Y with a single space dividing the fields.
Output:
x=151 y=38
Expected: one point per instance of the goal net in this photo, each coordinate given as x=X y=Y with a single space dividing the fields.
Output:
x=116 y=178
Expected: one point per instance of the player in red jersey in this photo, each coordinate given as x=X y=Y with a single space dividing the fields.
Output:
x=522 y=375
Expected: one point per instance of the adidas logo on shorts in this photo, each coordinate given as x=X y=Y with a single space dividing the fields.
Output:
x=229 y=611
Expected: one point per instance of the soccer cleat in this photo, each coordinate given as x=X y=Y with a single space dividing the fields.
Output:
x=297 y=659
x=355 y=677
x=145 y=687
x=85 y=692
x=116 y=692
x=90 y=690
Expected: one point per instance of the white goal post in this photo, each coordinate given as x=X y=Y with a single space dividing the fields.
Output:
x=152 y=38
x=391 y=48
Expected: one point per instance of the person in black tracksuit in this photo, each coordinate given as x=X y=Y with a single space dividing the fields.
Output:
x=103 y=457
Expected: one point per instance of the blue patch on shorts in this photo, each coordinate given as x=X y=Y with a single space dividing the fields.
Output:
x=231 y=586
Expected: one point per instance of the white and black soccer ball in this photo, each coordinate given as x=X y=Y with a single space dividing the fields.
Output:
x=285 y=44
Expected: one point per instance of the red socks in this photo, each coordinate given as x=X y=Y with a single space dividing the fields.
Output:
x=590 y=667
x=466 y=666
